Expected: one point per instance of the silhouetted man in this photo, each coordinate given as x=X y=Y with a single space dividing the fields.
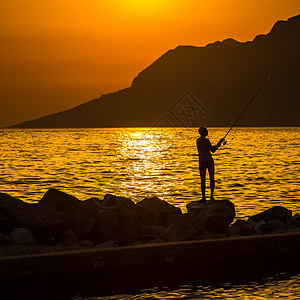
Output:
x=206 y=161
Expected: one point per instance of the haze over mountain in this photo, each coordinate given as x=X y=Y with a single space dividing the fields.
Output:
x=193 y=86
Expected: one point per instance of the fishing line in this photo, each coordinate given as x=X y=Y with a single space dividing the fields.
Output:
x=259 y=90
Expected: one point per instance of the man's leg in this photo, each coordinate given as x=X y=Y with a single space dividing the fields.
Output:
x=211 y=171
x=203 y=177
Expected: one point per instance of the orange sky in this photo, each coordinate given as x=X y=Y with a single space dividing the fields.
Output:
x=57 y=54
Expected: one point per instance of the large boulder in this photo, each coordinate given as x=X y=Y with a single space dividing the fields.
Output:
x=82 y=216
x=95 y=199
x=233 y=231
x=199 y=207
x=107 y=227
x=155 y=241
x=198 y=221
x=60 y=201
x=154 y=230
x=68 y=238
x=277 y=212
x=210 y=236
x=44 y=223
x=202 y=219
x=155 y=212
x=128 y=226
x=5 y=240
x=118 y=220
x=216 y=215
x=113 y=202
x=22 y=236
x=172 y=218
x=273 y=226
x=148 y=233
x=245 y=227
x=4 y=224
x=85 y=219
x=86 y=243
x=219 y=218
x=181 y=230
x=295 y=221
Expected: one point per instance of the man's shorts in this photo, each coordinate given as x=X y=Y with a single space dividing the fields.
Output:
x=205 y=164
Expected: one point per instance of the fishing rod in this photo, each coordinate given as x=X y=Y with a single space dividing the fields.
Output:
x=262 y=86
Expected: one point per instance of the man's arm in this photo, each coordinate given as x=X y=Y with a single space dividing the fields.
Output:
x=213 y=149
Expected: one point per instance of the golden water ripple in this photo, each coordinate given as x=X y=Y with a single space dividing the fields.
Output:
x=256 y=170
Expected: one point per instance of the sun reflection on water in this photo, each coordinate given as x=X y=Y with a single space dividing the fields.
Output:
x=257 y=169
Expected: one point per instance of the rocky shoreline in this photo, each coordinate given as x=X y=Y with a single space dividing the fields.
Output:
x=60 y=222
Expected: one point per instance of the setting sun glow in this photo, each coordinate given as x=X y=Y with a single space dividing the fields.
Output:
x=143 y=10
x=146 y=5
x=57 y=54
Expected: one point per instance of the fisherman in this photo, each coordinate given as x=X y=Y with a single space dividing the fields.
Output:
x=206 y=161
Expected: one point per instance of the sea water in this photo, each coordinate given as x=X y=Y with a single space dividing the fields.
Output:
x=257 y=169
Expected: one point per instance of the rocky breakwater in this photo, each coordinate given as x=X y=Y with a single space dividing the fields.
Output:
x=62 y=220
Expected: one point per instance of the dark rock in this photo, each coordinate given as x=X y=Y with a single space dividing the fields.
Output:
x=198 y=221
x=154 y=230
x=296 y=220
x=146 y=237
x=277 y=212
x=22 y=236
x=60 y=201
x=294 y=229
x=180 y=230
x=257 y=225
x=95 y=199
x=85 y=219
x=198 y=207
x=43 y=222
x=258 y=232
x=107 y=244
x=107 y=227
x=220 y=216
x=155 y=241
x=5 y=240
x=118 y=221
x=113 y=202
x=68 y=238
x=128 y=226
x=278 y=230
x=272 y=226
x=146 y=217
x=4 y=224
x=172 y=218
x=210 y=236
x=233 y=230
x=86 y=243
x=212 y=216
x=82 y=216
x=155 y=212
x=136 y=243
x=245 y=227
x=218 y=221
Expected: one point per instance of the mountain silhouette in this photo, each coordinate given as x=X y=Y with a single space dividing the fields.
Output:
x=193 y=86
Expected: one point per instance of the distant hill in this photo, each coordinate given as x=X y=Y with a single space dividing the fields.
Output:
x=192 y=86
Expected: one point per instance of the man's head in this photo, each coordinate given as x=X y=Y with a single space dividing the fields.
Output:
x=203 y=131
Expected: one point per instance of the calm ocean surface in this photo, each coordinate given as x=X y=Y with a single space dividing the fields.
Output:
x=258 y=169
